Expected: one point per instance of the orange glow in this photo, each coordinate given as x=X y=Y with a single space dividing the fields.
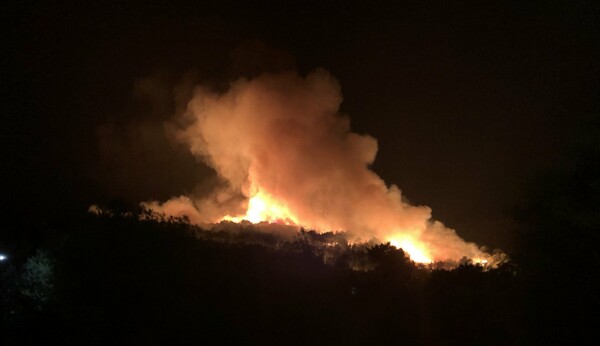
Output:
x=264 y=208
x=415 y=250
x=281 y=141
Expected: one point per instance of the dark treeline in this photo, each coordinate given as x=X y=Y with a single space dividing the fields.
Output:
x=114 y=279
x=96 y=280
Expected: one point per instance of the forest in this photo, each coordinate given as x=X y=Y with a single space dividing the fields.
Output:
x=483 y=115
x=112 y=278
x=128 y=276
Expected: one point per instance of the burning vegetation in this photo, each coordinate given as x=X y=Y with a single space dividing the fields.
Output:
x=330 y=247
x=285 y=154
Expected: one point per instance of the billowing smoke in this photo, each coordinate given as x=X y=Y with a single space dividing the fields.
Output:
x=282 y=136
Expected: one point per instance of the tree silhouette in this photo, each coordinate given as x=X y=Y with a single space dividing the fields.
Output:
x=118 y=278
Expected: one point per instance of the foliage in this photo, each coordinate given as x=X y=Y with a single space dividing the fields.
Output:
x=119 y=279
x=37 y=279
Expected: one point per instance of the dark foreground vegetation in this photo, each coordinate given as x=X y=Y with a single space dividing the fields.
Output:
x=109 y=280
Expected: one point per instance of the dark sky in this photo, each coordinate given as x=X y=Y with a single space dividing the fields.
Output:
x=468 y=100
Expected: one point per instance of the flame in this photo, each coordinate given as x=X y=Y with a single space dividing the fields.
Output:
x=264 y=208
x=416 y=250
x=281 y=141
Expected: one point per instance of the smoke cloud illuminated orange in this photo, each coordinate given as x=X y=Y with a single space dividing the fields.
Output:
x=286 y=155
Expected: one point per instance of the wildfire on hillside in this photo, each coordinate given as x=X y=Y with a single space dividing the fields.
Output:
x=285 y=154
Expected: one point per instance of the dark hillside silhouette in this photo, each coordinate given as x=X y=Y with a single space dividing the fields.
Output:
x=118 y=279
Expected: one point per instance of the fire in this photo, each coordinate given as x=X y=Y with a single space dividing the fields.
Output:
x=281 y=141
x=264 y=208
x=415 y=250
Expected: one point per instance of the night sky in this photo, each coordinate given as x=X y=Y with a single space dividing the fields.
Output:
x=468 y=100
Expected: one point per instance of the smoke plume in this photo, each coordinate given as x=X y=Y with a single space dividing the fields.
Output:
x=282 y=136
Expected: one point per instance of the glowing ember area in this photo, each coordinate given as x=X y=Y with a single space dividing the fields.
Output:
x=415 y=250
x=264 y=208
